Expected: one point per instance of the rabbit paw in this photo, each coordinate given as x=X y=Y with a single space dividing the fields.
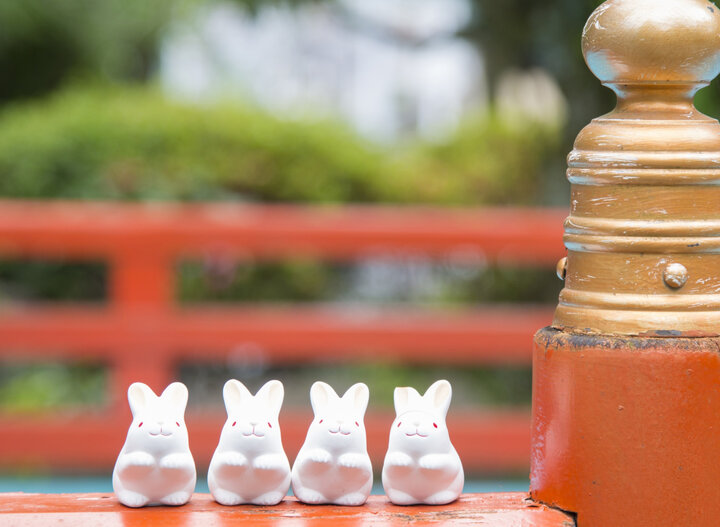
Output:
x=399 y=459
x=398 y=497
x=310 y=497
x=174 y=461
x=140 y=459
x=352 y=461
x=234 y=459
x=268 y=462
x=132 y=499
x=442 y=498
x=176 y=498
x=354 y=499
x=319 y=455
x=269 y=498
x=225 y=497
x=433 y=462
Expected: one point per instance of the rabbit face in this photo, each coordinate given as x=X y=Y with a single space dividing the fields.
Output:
x=420 y=431
x=338 y=421
x=252 y=423
x=158 y=422
x=420 y=422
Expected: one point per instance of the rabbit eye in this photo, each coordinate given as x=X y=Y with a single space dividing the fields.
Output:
x=234 y=423
x=320 y=421
x=357 y=424
x=177 y=424
x=141 y=423
x=269 y=425
x=399 y=423
x=435 y=425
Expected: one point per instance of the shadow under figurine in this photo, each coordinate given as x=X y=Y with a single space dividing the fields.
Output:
x=333 y=465
x=155 y=466
x=421 y=465
x=249 y=464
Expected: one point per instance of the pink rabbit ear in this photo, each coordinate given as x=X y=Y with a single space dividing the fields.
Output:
x=272 y=395
x=235 y=395
x=176 y=396
x=139 y=395
x=321 y=395
x=358 y=396
x=439 y=395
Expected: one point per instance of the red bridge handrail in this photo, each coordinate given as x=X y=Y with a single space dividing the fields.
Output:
x=142 y=333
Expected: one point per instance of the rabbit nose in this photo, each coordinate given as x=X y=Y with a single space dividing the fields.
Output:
x=253 y=423
x=416 y=423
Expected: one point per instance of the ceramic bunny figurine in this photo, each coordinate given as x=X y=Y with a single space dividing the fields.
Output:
x=333 y=465
x=155 y=465
x=421 y=465
x=249 y=464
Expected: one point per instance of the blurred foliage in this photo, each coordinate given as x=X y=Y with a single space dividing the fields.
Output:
x=56 y=281
x=131 y=143
x=313 y=281
x=472 y=385
x=43 y=44
x=217 y=281
x=524 y=34
x=26 y=388
x=547 y=33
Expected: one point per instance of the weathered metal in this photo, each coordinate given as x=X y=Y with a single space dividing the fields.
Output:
x=626 y=384
x=645 y=178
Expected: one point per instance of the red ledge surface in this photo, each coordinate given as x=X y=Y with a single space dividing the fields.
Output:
x=507 y=509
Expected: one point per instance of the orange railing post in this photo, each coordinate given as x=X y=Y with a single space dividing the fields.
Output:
x=141 y=292
x=626 y=382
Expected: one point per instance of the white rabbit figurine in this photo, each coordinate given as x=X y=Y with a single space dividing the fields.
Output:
x=333 y=465
x=421 y=465
x=155 y=465
x=249 y=464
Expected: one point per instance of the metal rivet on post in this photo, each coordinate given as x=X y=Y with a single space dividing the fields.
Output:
x=675 y=275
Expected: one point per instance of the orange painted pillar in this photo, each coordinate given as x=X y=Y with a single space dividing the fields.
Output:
x=626 y=431
x=626 y=382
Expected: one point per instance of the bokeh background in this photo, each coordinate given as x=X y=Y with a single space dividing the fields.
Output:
x=437 y=102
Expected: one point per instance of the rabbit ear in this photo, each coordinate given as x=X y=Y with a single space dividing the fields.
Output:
x=405 y=399
x=321 y=394
x=176 y=395
x=235 y=395
x=139 y=395
x=358 y=396
x=439 y=395
x=271 y=395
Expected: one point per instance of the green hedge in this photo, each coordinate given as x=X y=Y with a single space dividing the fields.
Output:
x=132 y=144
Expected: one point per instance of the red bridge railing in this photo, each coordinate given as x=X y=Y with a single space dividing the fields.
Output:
x=142 y=333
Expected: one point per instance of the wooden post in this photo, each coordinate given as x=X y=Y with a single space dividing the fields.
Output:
x=626 y=382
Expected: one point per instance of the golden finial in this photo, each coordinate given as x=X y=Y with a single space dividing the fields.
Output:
x=643 y=235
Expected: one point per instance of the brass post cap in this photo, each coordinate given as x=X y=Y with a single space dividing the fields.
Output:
x=646 y=41
x=643 y=235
